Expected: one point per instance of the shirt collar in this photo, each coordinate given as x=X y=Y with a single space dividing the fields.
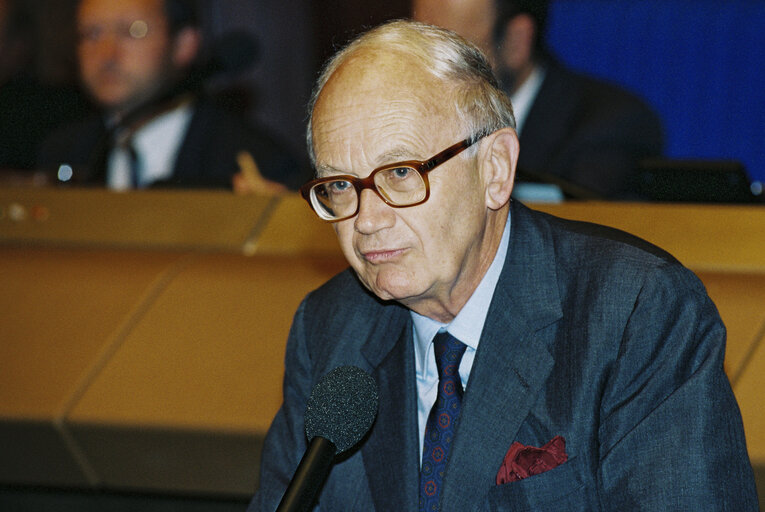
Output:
x=159 y=141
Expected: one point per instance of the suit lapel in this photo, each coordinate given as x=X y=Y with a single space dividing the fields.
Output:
x=188 y=164
x=511 y=365
x=391 y=453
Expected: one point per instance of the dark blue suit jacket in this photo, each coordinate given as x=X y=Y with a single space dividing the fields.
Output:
x=592 y=335
x=587 y=133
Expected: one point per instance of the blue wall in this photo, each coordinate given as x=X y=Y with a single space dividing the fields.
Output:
x=699 y=63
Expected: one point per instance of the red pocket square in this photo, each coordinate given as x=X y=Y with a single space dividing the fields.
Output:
x=525 y=461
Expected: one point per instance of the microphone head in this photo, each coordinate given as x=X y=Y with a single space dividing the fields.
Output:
x=342 y=407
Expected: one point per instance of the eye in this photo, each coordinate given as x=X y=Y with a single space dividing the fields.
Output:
x=339 y=186
x=89 y=34
x=401 y=172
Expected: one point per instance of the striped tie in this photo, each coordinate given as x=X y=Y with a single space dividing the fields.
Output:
x=442 y=421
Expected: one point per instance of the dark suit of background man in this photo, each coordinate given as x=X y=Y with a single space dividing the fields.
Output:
x=137 y=60
x=31 y=106
x=574 y=130
x=574 y=332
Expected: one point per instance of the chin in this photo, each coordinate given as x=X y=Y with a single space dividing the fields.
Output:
x=110 y=101
x=395 y=287
x=388 y=282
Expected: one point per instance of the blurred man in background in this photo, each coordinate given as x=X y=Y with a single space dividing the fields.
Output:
x=139 y=61
x=586 y=136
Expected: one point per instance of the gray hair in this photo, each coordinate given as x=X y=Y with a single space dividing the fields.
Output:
x=480 y=104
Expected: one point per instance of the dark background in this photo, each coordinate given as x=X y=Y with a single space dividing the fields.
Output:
x=699 y=63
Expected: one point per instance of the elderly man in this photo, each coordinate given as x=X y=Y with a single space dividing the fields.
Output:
x=523 y=362
x=580 y=133
x=137 y=61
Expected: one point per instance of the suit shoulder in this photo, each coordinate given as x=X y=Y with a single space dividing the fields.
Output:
x=580 y=246
x=590 y=234
x=343 y=300
x=75 y=129
x=71 y=143
x=598 y=97
x=340 y=294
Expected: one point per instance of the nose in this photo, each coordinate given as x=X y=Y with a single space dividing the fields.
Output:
x=374 y=214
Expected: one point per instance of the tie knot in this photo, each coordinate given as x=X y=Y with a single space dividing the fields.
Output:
x=449 y=351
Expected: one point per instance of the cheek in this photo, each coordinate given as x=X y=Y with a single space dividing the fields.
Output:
x=344 y=233
x=88 y=62
x=143 y=65
x=436 y=254
x=456 y=225
x=154 y=56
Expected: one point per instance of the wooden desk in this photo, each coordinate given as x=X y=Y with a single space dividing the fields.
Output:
x=143 y=333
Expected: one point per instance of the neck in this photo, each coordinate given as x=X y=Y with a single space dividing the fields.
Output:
x=443 y=307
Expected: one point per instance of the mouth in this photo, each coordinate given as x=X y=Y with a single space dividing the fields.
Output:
x=109 y=74
x=382 y=255
x=108 y=80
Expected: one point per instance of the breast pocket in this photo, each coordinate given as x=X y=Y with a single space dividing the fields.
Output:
x=562 y=488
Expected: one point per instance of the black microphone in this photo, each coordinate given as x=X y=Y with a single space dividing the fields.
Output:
x=339 y=412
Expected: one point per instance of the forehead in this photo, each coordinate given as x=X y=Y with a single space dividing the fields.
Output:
x=382 y=106
x=97 y=11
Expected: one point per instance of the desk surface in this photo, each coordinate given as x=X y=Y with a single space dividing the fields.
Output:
x=132 y=352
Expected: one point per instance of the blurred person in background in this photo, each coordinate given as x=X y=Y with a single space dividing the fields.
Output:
x=581 y=134
x=140 y=62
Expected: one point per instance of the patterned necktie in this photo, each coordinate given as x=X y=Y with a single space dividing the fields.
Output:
x=442 y=421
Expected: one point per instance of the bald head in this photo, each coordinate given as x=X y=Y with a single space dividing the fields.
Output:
x=462 y=80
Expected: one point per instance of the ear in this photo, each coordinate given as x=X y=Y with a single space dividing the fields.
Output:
x=518 y=41
x=186 y=47
x=498 y=159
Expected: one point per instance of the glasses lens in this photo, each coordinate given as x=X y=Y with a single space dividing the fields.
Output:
x=401 y=186
x=334 y=199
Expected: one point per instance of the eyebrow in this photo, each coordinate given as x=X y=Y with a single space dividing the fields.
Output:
x=397 y=154
x=323 y=170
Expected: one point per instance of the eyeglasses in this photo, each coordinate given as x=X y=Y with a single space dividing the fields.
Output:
x=399 y=185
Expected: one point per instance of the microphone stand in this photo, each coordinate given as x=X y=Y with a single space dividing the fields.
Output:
x=309 y=476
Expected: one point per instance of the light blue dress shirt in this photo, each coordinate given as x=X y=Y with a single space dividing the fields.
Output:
x=466 y=327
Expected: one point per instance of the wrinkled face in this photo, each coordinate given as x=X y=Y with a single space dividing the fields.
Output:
x=378 y=110
x=124 y=50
